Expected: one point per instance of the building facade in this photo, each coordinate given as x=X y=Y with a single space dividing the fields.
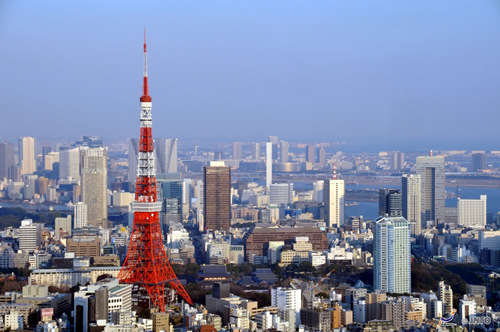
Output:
x=95 y=184
x=432 y=174
x=217 y=196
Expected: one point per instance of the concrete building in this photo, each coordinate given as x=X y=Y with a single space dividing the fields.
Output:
x=217 y=196
x=281 y=193
x=310 y=153
x=30 y=235
x=80 y=214
x=489 y=240
x=69 y=163
x=27 y=155
x=62 y=225
x=269 y=165
x=478 y=162
x=432 y=174
x=7 y=160
x=316 y=319
x=287 y=298
x=472 y=212
x=274 y=144
x=72 y=277
x=166 y=155
x=392 y=255
x=390 y=202
x=397 y=160
x=237 y=153
x=445 y=294
x=84 y=246
x=94 y=171
x=133 y=153
x=334 y=196
x=412 y=201
x=284 y=147
x=255 y=151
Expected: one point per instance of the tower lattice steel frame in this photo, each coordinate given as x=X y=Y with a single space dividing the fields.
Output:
x=146 y=263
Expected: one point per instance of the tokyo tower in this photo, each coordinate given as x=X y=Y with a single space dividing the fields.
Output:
x=146 y=263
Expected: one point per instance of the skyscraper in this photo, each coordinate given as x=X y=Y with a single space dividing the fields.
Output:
x=166 y=153
x=255 y=151
x=397 y=160
x=133 y=153
x=95 y=184
x=478 y=162
x=237 y=153
x=281 y=193
x=412 y=201
x=80 y=215
x=310 y=153
x=284 y=146
x=274 y=141
x=334 y=195
x=287 y=299
x=217 y=196
x=170 y=190
x=69 y=163
x=389 y=201
x=392 y=256
x=269 y=164
x=27 y=159
x=321 y=156
x=7 y=160
x=431 y=171
x=472 y=212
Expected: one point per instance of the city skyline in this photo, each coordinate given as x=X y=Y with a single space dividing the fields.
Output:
x=363 y=65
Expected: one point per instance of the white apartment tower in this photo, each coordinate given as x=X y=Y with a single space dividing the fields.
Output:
x=269 y=164
x=411 y=185
x=69 y=163
x=334 y=198
x=27 y=159
x=286 y=299
x=392 y=255
x=431 y=171
x=472 y=212
x=95 y=184
x=80 y=210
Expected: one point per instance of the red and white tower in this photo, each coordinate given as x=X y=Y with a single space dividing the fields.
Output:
x=146 y=263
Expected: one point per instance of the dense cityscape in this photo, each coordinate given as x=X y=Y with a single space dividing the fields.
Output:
x=216 y=231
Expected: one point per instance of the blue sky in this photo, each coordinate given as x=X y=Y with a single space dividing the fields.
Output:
x=423 y=73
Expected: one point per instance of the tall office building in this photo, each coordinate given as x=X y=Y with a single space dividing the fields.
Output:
x=274 y=141
x=30 y=235
x=310 y=153
x=49 y=160
x=397 y=160
x=432 y=174
x=284 y=147
x=95 y=184
x=269 y=164
x=412 y=201
x=62 y=225
x=392 y=255
x=255 y=151
x=133 y=153
x=170 y=193
x=93 y=141
x=321 y=157
x=237 y=153
x=7 y=160
x=478 y=162
x=217 y=196
x=287 y=299
x=80 y=215
x=27 y=155
x=281 y=193
x=166 y=155
x=69 y=163
x=472 y=212
x=390 y=202
x=319 y=190
x=334 y=195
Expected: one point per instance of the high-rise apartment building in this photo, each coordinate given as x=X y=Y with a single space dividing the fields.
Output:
x=432 y=174
x=95 y=184
x=392 y=255
x=7 y=160
x=166 y=155
x=310 y=153
x=62 y=225
x=286 y=299
x=478 y=162
x=69 y=163
x=334 y=196
x=472 y=212
x=390 y=202
x=274 y=141
x=411 y=185
x=255 y=151
x=269 y=165
x=237 y=153
x=321 y=157
x=397 y=160
x=27 y=155
x=217 y=196
x=80 y=215
x=281 y=193
x=284 y=147
x=445 y=294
